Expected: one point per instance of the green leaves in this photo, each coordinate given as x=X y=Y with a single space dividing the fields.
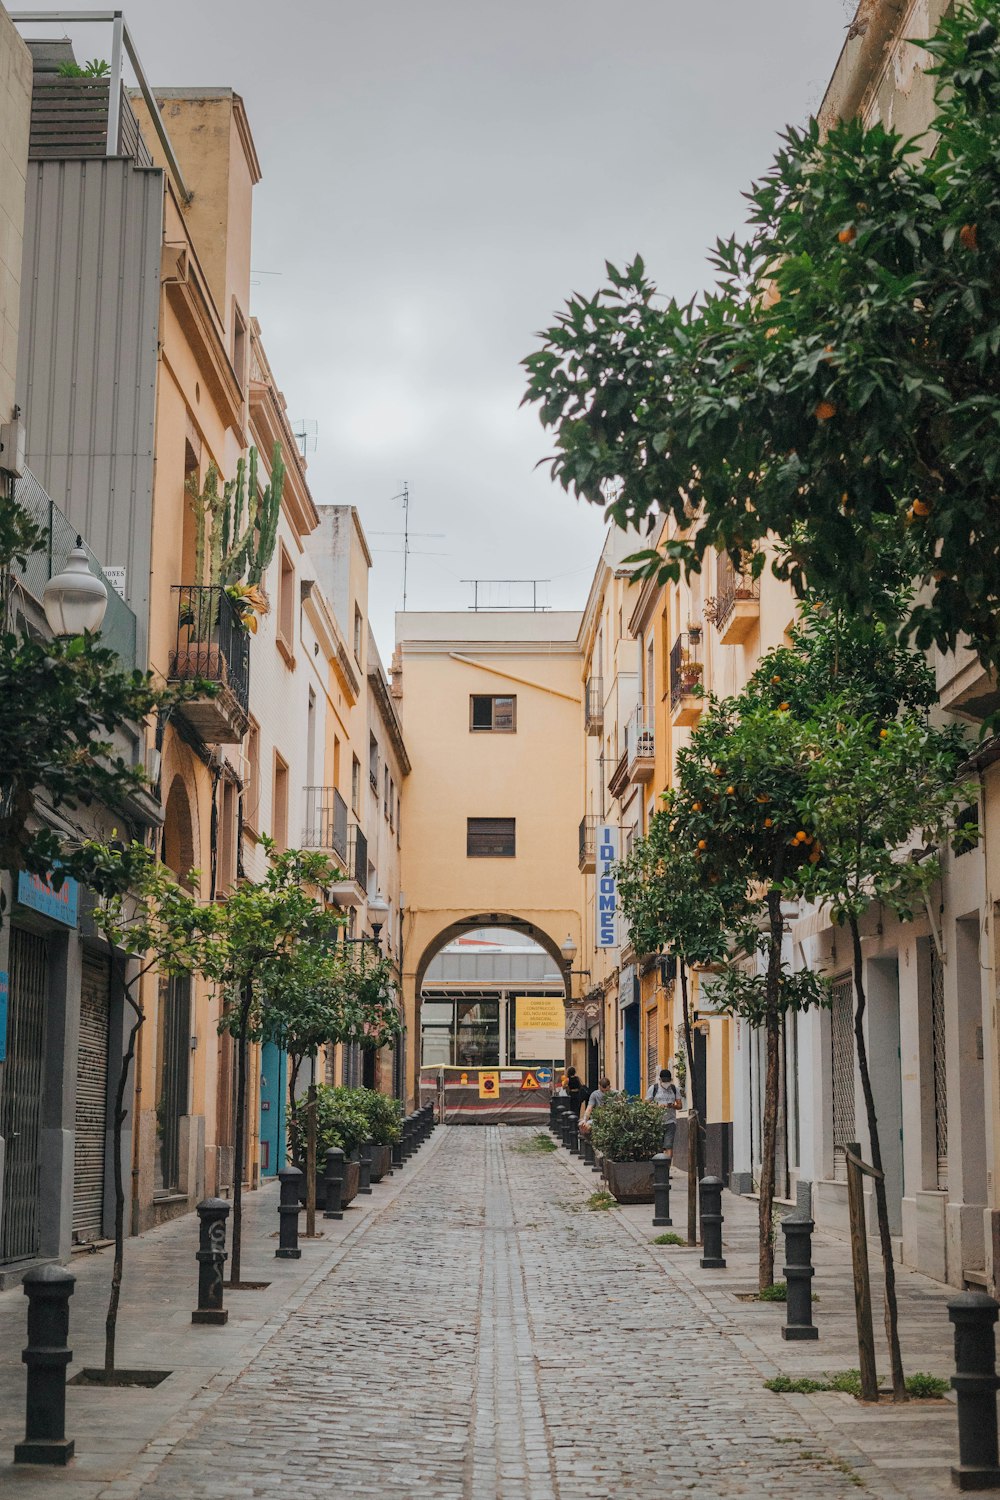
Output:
x=845 y=366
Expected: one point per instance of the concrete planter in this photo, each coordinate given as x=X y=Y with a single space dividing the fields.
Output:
x=381 y=1162
x=352 y=1177
x=630 y=1181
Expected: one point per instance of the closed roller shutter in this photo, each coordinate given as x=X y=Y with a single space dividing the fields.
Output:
x=91 y=1100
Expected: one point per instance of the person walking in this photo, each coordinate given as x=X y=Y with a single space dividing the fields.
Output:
x=574 y=1089
x=597 y=1097
x=667 y=1095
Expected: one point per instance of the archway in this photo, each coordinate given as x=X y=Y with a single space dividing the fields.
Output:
x=490 y=1015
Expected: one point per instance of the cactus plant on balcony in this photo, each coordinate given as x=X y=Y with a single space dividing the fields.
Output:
x=236 y=530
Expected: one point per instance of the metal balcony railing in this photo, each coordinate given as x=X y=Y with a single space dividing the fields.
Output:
x=325 y=821
x=588 y=841
x=594 y=705
x=685 y=666
x=119 y=625
x=731 y=586
x=212 y=643
x=639 y=740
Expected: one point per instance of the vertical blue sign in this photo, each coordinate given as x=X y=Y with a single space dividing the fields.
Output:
x=4 y=993
x=607 y=885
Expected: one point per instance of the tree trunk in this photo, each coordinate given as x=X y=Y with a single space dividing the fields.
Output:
x=240 y=1142
x=769 y=1129
x=118 y=1121
x=881 y=1205
x=695 y=1163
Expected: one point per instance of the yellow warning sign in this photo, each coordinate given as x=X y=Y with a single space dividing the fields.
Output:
x=489 y=1085
x=530 y=1082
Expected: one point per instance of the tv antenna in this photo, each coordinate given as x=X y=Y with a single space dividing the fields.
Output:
x=306 y=434
x=406 y=533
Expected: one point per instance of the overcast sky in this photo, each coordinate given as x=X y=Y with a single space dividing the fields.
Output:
x=438 y=176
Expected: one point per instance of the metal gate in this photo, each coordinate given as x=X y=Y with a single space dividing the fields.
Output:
x=91 y=1121
x=652 y=1049
x=21 y=1094
x=940 y=1059
x=174 y=1045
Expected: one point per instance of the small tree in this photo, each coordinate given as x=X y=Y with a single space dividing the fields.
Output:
x=161 y=928
x=669 y=907
x=736 y=817
x=871 y=785
x=262 y=924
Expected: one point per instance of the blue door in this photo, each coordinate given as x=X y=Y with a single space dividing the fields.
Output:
x=273 y=1089
x=633 y=1065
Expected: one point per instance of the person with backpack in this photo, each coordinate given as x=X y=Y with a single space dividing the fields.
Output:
x=574 y=1090
x=667 y=1095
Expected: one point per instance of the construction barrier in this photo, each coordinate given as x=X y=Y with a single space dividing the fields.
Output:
x=490 y=1096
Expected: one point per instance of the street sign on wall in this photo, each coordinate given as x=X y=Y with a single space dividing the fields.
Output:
x=40 y=895
x=607 y=885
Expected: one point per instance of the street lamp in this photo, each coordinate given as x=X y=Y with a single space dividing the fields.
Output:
x=378 y=910
x=75 y=599
x=569 y=950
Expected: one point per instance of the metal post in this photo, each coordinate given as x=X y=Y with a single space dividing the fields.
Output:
x=48 y=1290
x=588 y=1151
x=564 y=1125
x=289 y=1209
x=975 y=1382
x=334 y=1179
x=661 y=1190
x=710 y=1195
x=552 y=1112
x=574 y=1134
x=365 y=1167
x=799 y=1273
x=397 y=1150
x=212 y=1256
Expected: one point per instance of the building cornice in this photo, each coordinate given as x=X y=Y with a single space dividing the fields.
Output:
x=390 y=718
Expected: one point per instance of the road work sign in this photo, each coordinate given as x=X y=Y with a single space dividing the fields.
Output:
x=530 y=1082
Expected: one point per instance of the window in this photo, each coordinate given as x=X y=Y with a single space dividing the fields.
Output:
x=496 y=714
x=239 y=345
x=357 y=632
x=279 y=810
x=251 y=788
x=490 y=838
x=356 y=784
x=373 y=763
x=226 y=867
x=286 y=604
x=391 y=804
x=386 y=796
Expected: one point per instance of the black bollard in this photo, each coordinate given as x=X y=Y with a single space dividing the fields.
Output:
x=48 y=1290
x=212 y=1256
x=365 y=1167
x=574 y=1135
x=975 y=1382
x=710 y=1194
x=396 y=1156
x=334 y=1179
x=661 y=1190
x=565 y=1124
x=588 y=1150
x=552 y=1112
x=798 y=1279
x=407 y=1137
x=289 y=1209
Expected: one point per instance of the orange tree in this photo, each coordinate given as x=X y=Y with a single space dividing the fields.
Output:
x=735 y=816
x=839 y=388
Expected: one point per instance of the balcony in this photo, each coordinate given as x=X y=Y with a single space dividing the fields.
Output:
x=594 y=706
x=325 y=825
x=735 y=610
x=619 y=778
x=639 y=747
x=352 y=890
x=212 y=646
x=965 y=687
x=686 y=702
x=588 y=844
x=119 y=625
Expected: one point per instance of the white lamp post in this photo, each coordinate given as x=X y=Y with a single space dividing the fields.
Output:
x=378 y=910
x=568 y=950
x=75 y=600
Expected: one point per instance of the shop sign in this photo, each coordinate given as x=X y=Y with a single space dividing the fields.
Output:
x=607 y=885
x=40 y=895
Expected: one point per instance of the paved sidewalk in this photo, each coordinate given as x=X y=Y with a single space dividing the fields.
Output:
x=473 y=1332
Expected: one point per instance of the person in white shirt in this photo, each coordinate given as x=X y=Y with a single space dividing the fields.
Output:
x=665 y=1093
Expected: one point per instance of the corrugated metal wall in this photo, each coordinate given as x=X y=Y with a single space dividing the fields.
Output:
x=88 y=358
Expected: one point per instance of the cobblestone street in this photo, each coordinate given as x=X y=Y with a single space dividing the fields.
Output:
x=487 y=1337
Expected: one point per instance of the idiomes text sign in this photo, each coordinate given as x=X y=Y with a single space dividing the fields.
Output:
x=607 y=886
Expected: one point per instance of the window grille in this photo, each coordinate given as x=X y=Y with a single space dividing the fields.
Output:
x=490 y=838
x=842 y=1069
x=939 y=1056
x=652 y=1050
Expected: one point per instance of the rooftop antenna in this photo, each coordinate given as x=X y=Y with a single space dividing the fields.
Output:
x=306 y=433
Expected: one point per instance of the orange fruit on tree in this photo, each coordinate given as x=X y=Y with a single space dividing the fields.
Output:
x=847 y=234
x=776 y=678
x=696 y=807
x=768 y=822
x=730 y=791
x=814 y=857
x=921 y=508
x=763 y=797
x=782 y=707
x=969 y=236
x=824 y=411
x=702 y=843
x=883 y=734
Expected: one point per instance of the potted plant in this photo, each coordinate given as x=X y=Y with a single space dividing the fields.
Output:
x=628 y=1133
x=384 y=1129
x=340 y=1121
